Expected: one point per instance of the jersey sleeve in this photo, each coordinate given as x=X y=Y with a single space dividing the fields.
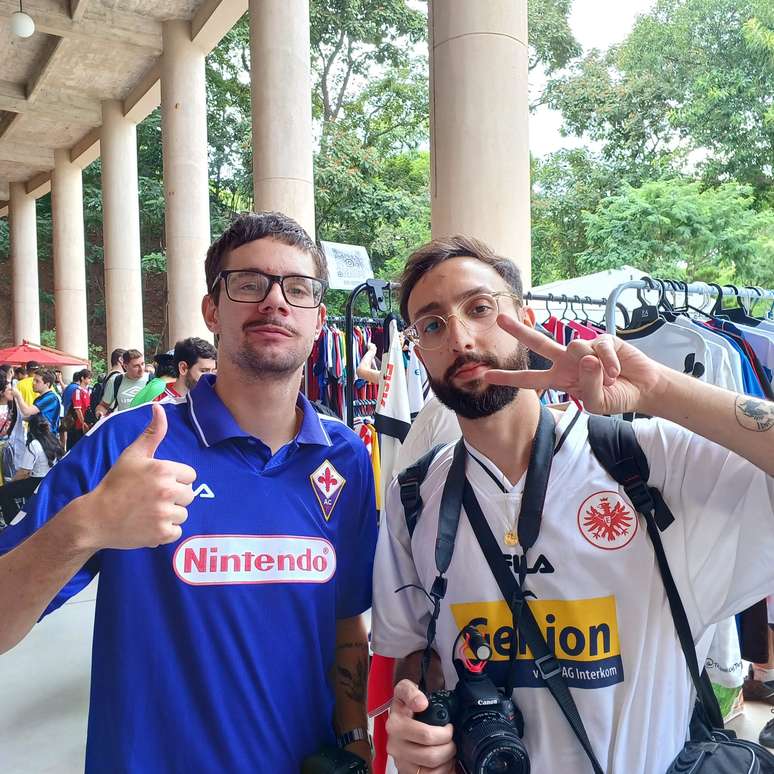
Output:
x=77 y=473
x=355 y=552
x=28 y=458
x=721 y=544
x=109 y=393
x=400 y=618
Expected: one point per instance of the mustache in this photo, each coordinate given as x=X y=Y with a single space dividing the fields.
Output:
x=463 y=360
x=274 y=322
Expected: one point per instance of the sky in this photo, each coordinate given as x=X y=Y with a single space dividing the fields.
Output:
x=596 y=24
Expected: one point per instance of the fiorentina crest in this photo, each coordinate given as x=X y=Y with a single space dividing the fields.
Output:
x=327 y=483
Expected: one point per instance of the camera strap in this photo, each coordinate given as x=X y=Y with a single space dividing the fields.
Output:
x=545 y=661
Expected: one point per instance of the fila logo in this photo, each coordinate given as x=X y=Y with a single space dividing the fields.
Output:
x=217 y=560
x=521 y=566
x=204 y=492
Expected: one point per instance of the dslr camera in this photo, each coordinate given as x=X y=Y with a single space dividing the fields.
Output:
x=488 y=726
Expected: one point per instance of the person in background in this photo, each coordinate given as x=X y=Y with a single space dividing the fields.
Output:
x=367 y=369
x=193 y=357
x=47 y=403
x=68 y=391
x=121 y=390
x=24 y=386
x=42 y=452
x=7 y=405
x=7 y=372
x=166 y=373
x=81 y=401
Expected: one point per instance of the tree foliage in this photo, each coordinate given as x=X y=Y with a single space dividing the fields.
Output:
x=691 y=87
x=678 y=228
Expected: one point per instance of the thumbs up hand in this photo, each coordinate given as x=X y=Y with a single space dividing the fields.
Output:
x=141 y=502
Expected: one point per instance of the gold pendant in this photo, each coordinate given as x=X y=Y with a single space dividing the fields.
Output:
x=510 y=538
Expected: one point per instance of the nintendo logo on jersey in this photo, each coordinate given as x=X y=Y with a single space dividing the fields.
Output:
x=212 y=560
x=606 y=521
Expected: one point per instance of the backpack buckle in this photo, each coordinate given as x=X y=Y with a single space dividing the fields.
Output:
x=640 y=495
x=552 y=668
x=409 y=494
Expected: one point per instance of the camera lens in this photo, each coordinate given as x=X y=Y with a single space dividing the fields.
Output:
x=489 y=744
x=504 y=762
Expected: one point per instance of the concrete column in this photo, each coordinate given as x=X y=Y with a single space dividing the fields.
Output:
x=121 y=229
x=69 y=258
x=478 y=124
x=24 y=265
x=186 y=179
x=280 y=84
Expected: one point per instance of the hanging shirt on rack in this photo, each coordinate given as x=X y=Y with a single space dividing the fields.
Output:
x=417 y=382
x=393 y=416
x=731 y=331
x=673 y=346
x=762 y=343
x=733 y=358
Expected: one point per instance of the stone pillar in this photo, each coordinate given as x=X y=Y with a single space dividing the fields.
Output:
x=72 y=334
x=478 y=124
x=186 y=179
x=280 y=84
x=24 y=265
x=121 y=230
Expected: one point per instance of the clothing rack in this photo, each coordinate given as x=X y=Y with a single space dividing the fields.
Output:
x=379 y=293
x=695 y=288
x=379 y=297
x=563 y=298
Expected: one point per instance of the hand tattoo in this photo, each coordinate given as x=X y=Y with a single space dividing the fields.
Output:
x=754 y=414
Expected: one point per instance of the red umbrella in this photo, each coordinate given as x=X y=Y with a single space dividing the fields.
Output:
x=22 y=353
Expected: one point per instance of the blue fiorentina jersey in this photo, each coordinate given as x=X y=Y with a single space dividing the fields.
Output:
x=212 y=654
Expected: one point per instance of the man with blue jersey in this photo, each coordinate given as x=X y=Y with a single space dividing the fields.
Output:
x=230 y=638
x=47 y=403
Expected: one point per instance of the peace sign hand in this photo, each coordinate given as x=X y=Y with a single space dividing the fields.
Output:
x=607 y=374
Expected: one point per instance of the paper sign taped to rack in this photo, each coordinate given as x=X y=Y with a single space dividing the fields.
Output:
x=348 y=265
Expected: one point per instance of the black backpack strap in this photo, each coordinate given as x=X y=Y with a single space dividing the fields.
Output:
x=116 y=388
x=614 y=443
x=545 y=661
x=410 y=481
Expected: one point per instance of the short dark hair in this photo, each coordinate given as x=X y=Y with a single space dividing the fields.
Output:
x=116 y=355
x=47 y=375
x=165 y=365
x=83 y=374
x=457 y=246
x=132 y=354
x=252 y=226
x=190 y=350
x=32 y=366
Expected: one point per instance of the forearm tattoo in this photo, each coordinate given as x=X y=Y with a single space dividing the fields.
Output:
x=353 y=678
x=754 y=414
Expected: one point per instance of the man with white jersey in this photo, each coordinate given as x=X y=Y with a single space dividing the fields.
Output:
x=230 y=637
x=589 y=573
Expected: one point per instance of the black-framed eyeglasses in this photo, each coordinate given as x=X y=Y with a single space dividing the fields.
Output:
x=251 y=286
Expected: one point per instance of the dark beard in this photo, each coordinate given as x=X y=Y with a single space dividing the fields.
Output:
x=473 y=402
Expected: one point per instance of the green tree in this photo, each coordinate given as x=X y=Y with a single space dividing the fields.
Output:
x=675 y=228
x=565 y=185
x=691 y=85
x=551 y=41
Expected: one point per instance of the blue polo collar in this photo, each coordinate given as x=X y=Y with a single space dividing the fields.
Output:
x=214 y=423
